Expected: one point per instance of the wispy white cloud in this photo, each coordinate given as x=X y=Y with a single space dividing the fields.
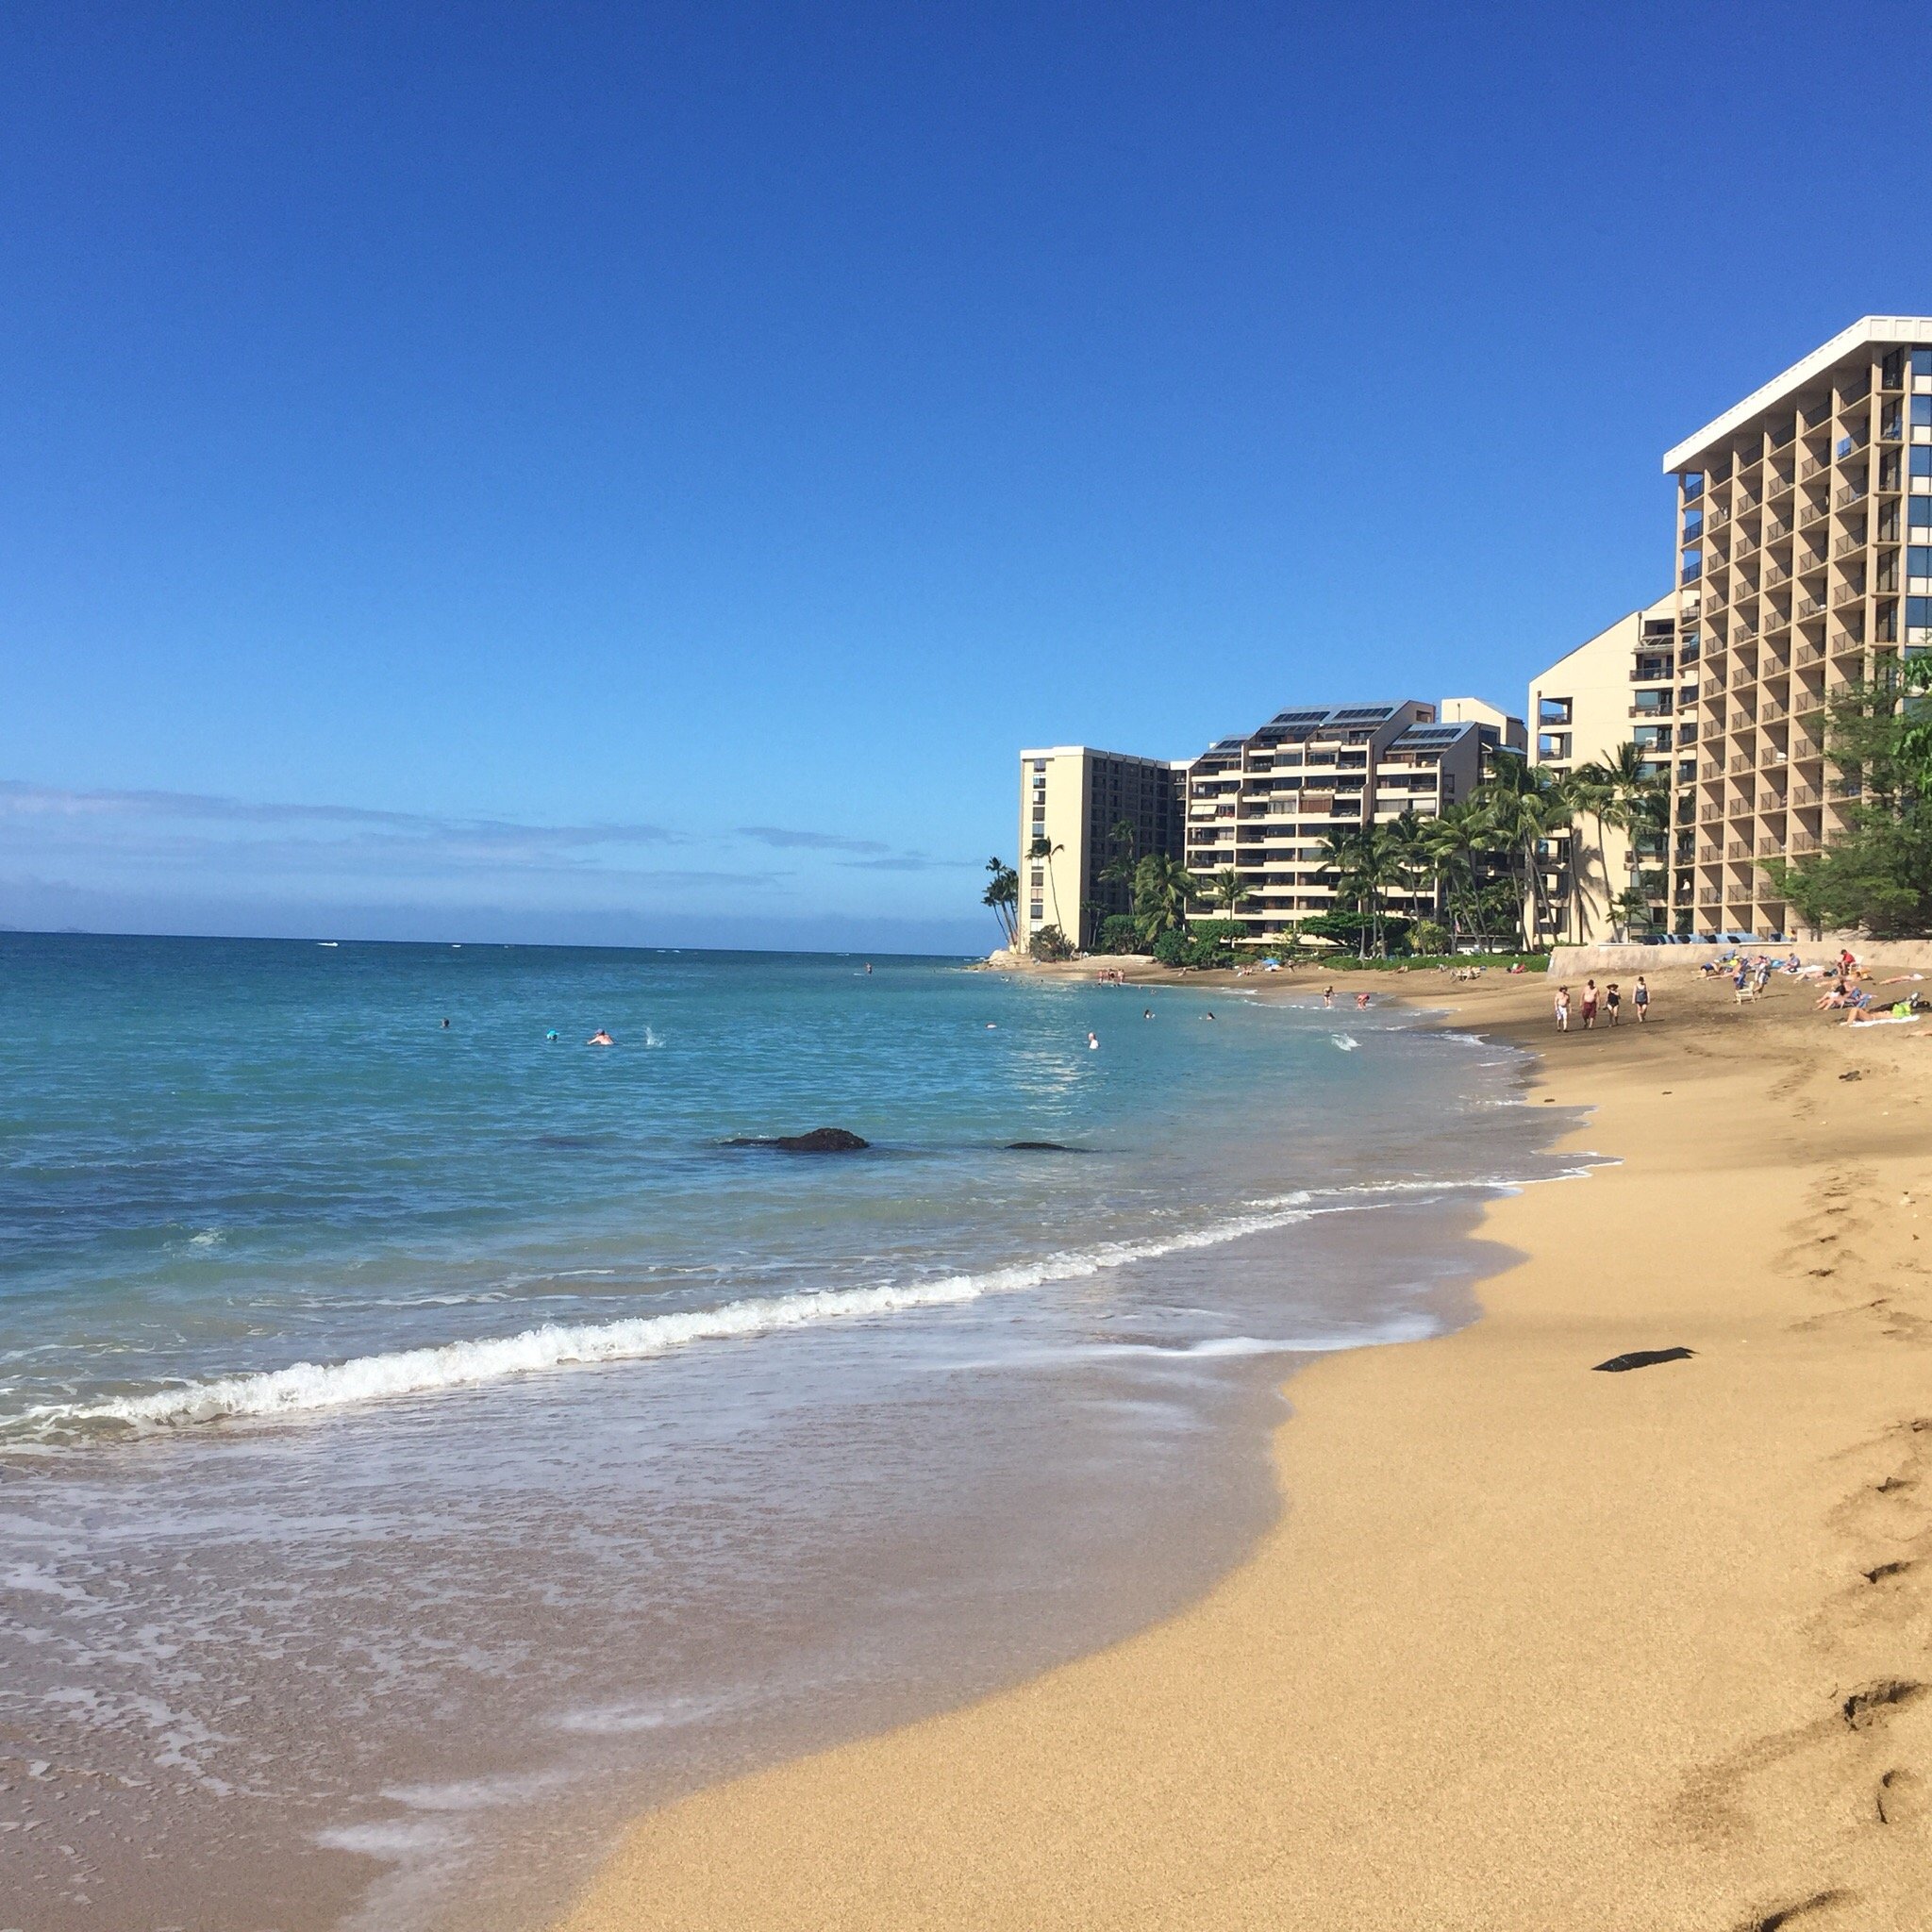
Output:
x=907 y=861
x=808 y=841
x=147 y=851
x=23 y=801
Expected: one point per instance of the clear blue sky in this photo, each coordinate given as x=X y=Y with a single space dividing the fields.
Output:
x=639 y=473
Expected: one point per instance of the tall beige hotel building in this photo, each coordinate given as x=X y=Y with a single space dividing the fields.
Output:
x=1803 y=563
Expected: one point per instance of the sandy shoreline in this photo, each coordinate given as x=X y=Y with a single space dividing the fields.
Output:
x=1531 y=1646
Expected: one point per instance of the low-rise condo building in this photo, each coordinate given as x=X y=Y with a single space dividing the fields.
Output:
x=1080 y=812
x=1262 y=804
x=1634 y=683
x=1803 y=541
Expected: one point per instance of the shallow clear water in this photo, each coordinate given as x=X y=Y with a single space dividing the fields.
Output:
x=419 y=1444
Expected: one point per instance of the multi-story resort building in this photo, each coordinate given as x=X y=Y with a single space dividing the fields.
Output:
x=1634 y=683
x=1082 y=809
x=1260 y=803
x=1263 y=804
x=1804 y=564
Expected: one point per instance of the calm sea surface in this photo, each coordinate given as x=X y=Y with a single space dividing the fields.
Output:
x=422 y=1444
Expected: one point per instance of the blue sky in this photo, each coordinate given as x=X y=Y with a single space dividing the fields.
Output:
x=638 y=474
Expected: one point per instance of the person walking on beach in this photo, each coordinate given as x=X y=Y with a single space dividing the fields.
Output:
x=1613 y=1004
x=1327 y=995
x=1562 y=1009
x=1639 y=998
x=1588 y=1005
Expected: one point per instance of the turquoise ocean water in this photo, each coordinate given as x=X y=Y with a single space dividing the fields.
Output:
x=421 y=1443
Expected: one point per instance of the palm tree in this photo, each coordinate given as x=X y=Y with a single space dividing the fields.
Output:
x=1452 y=842
x=1043 y=851
x=1163 y=890
x=1412 y=857
x=1633 y=908
x=1344 y=865
x=1003 y=896
x=1384 y=863
x=1524 y=806
x=1119 y=869
x=1631 y=799
x=1226 y=890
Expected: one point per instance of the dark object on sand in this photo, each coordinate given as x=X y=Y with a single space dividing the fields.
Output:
x=1853 y=1074
x=1040 y=1147
x=820 y=1140
x=1644 y=1358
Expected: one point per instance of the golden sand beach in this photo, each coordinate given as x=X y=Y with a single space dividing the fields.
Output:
x=1531 y=1645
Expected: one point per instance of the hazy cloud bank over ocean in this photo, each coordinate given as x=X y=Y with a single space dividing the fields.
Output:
x=176 y=862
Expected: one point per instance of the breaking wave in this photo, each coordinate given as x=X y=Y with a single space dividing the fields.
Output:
x=313 y=1387
x=308 y=1388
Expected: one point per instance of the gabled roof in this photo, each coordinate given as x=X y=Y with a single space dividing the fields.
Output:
x=1867 y=330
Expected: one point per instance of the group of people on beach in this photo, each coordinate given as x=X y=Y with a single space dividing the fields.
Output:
x=1610 y=1000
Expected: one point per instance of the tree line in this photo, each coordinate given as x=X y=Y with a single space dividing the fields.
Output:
x=1483 y=862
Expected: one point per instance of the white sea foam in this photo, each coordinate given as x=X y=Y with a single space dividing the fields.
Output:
x=307 y=1387
x=310 y=1388
x=1346 y=1041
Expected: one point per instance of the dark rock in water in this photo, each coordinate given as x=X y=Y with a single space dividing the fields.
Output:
x=820 y=1140
x=1040 y=1147
x=1643 y=1358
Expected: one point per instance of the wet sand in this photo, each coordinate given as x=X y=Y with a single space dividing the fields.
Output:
x=1531 y=1646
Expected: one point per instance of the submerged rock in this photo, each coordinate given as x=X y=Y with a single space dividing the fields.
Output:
x=1040 y=1147
x=820 y=1140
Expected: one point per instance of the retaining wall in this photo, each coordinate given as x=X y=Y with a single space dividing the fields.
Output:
x=1580 y=962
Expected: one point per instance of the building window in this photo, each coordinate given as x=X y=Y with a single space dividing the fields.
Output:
x=1919 y=620
x=1922 y=413
x=1921 y=456
x=1553 y=745
x=1922 y=361
x=1552 y=710
x=1920 y=515
x=1919 y=567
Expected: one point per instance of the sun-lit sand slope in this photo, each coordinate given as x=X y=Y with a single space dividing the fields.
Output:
x=1532 y=1646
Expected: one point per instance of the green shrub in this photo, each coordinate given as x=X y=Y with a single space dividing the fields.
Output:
x=1118 y=933
x=1050 y=942
x=1426 y=936
x=1207 y=943
x=1346 y=929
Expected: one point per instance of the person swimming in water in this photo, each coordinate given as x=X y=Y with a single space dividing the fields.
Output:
x=445 y=1024
x=1148 y=1014
x=600 y=1038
